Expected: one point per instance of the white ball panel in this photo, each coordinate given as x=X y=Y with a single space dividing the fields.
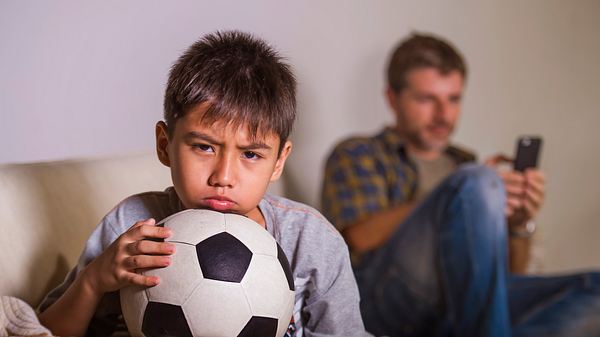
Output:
x=286 y=314
x=217 y=309
x=178 y=280
x=133 y=303
x=255 y=237
x=194 y=225
x=266 y=277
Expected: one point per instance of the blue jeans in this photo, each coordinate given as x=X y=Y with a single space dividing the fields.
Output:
x=444 y=273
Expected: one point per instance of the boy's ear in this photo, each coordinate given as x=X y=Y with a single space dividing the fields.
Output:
x=162 y=143
x=285 y=152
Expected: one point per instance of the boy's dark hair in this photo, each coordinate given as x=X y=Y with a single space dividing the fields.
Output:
x=423 y=51
x=241 y=79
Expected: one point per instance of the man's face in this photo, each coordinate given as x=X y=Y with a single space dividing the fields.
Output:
x=220 y=167
x=427 y=109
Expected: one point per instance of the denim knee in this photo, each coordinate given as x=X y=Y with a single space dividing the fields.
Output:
x=482 y=182
x=479 y=187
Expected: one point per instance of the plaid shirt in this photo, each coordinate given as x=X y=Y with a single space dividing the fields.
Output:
x=366 y=175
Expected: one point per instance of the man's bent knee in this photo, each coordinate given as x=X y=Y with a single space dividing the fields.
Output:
x=481 y=181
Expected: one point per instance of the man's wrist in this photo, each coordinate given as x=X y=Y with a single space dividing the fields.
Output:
x=523 y=231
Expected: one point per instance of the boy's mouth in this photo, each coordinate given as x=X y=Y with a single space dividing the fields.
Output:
x=218 y=203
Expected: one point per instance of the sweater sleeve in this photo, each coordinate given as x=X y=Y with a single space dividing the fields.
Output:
x=332 y=305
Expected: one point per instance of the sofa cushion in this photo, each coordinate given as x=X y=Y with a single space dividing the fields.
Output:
x=47 y=211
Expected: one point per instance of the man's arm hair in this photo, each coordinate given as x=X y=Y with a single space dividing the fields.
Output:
x=520 y=242
x=519 y=254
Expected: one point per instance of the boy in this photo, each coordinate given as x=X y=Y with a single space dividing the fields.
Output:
x=229 y=108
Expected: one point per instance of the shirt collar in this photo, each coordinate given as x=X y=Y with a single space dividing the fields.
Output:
x=392 y=139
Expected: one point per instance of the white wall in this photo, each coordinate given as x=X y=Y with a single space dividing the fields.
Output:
x=87 y=79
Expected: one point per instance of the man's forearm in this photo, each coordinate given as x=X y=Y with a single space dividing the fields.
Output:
x=519 y=252
x=519 y=242
x=372 y=232
x=71 y=313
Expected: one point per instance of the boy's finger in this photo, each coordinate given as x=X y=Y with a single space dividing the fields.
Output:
x=149 y=221
x=142 y=280
x=151 y=231
x=145 y=261
x=150 y=247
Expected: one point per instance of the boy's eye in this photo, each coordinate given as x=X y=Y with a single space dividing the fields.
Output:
x=203 y=147
x=250 y=155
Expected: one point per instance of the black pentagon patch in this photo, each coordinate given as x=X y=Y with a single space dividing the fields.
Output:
x=286 y=267
x=222 y=257
x=259 y=327
x=162 y=319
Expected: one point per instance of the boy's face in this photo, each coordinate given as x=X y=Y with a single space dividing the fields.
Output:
x=220 y=167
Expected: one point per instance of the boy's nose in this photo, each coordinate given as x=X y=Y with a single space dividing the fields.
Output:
x=223 y=174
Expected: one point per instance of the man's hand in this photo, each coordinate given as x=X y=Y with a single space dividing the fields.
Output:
x=117 y=266
x=524 y=191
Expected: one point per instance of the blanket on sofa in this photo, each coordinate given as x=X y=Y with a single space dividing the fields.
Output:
x=17 y=318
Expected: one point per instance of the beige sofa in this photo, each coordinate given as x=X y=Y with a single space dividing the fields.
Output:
x=47 y=211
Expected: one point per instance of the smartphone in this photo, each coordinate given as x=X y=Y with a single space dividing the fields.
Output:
x=528 y=151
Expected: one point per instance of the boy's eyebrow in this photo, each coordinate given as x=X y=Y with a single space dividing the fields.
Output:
x=255 y=145
x=194 y=134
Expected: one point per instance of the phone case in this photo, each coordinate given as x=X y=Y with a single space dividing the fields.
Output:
x=528 y=150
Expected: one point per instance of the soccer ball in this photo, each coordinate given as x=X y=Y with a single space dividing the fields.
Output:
x=228 y=277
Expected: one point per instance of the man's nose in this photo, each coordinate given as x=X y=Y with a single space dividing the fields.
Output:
x=224 y=172
x=443 y=111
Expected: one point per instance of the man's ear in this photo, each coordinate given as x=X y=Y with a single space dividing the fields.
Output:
x=280 y=164
x=392 y=98
x=162 y=143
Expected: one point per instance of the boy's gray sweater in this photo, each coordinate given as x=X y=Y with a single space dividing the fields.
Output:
x=327 y=299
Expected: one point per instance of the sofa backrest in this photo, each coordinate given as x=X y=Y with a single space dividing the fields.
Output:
x=47 y=211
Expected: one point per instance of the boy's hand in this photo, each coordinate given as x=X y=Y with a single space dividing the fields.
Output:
x=117 y=266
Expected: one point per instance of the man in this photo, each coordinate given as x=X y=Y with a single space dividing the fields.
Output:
x=428 y=235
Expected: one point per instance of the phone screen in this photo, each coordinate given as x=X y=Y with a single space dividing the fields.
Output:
x=528 y=150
